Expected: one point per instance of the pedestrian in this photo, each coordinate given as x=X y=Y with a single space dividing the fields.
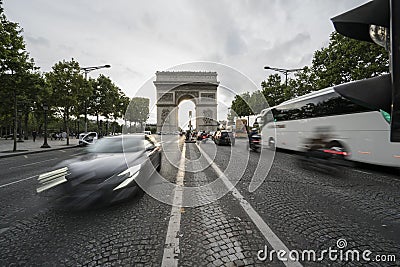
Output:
x=64 y=135
x=34 y=134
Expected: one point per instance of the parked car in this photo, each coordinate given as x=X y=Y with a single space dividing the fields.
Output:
x=224 y=137
x=106 y=174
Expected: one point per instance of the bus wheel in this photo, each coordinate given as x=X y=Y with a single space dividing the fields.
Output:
x=271 y=143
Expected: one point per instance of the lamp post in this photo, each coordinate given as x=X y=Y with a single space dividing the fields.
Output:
x=45 y=145
x=190 y=120
x=284 y=71
x=86 y=70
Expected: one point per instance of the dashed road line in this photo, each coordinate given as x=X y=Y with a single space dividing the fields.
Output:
x=171 y=247
x=15 y=182
x=34 y=163
x=25 y=156
x=63 y=151
x=77 y=154
x=266 y=231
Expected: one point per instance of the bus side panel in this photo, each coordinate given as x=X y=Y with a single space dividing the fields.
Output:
x=365 y=135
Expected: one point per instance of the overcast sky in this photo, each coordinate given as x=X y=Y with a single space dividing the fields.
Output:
x=138 y=38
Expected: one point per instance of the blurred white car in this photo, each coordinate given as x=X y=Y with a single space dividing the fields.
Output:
x=87 y=138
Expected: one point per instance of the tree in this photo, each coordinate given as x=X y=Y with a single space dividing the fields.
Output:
x=66 y=81
x=240 y=105
x=346 y=60
x=138 y=111
x=15 y=66
x=274 y=91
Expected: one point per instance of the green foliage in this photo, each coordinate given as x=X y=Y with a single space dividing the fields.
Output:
x=66 y=82
x=240 y=105
x=138 y=110
x=344 y=60
x=274 y=91
x=17 y=72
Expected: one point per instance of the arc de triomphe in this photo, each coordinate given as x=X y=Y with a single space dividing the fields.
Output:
x=174 y=87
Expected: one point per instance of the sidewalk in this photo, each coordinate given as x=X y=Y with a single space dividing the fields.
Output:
x=30 y=147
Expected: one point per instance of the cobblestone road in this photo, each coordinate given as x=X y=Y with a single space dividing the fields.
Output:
x=306 y=209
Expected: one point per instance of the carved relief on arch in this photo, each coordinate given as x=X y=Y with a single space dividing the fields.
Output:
x=208 y=117
x=165 y=115
x=166 y=97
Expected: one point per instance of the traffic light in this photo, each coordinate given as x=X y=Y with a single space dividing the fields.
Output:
x=377 y=21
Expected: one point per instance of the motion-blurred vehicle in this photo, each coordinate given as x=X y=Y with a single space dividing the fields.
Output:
x=255 y=142
x=362 y=133
x=211 y=135
x=201 y=136
x=189 y=137
x=87 y=138
x=106 y=174
x=224 y=137
x=324 y=159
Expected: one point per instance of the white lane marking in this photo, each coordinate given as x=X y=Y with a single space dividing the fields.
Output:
x=77 y=154
x=34 y=163
x=15 y=182
x=266 y=231
x=362 y=172
x=25 y=156
x=2 y=230
x=171 y=247
x=63 y=151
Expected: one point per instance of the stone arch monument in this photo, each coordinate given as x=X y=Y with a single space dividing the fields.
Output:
x=174 y=87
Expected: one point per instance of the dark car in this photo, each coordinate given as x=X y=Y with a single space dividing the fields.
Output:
x=224 y=137
x=107 y=173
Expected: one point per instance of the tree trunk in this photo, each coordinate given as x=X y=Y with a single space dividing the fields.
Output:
x=67 y=125
x=98 y=126
x=15 y=122
x=26 y=125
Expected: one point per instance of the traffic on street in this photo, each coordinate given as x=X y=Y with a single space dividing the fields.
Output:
x=200 y=133
x=294 y=208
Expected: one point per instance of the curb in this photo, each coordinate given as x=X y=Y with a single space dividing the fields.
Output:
x=36 y=151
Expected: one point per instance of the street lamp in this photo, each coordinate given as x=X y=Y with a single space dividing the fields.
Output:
x=86 y=70
x=45 y=145
x=190 y=120
x=284 y=71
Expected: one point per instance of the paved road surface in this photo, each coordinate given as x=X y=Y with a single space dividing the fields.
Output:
x=302 y=209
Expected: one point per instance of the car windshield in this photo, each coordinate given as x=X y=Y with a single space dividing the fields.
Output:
x=118 y=145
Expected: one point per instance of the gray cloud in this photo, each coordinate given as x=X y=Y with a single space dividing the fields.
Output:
x=37 y=41
x=140 y=37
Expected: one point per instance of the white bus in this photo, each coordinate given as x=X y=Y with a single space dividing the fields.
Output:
x=362 y=134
